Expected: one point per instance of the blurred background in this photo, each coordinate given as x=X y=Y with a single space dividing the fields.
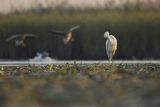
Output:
x=135 y=24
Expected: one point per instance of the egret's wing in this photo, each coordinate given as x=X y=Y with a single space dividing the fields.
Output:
x=114 y=42
x=13 y=37
x=73 y=28
x=58 y=32
x=31 y=35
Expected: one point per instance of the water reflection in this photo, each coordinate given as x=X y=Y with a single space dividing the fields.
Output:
x=44 y=56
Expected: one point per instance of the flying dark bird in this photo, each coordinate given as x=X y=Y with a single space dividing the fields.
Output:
x=68 y=34
x=20 y=38
x=111 y=45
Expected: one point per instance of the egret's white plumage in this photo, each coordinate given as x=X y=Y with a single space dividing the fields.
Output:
x=111 y=45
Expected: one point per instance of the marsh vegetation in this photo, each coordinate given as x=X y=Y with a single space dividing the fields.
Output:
x=79 y=85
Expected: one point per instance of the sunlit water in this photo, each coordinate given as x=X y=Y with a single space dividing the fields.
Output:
x=53 y=61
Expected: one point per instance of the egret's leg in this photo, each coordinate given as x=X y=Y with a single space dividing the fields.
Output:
x=113 y=55
x=110 y=57
x=112 y=61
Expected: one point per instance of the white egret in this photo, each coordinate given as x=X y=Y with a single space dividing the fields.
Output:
x=111 y=45
x=20 y=38
x=69 y=35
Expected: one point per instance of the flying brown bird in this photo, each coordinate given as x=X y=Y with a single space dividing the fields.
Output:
x=68 y=34
x=20 y=38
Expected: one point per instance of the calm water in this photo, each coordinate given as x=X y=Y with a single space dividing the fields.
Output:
x=26 y=62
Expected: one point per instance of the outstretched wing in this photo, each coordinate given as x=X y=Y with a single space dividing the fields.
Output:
x=63 y=33
x=73 y=28
x=31 y=35
x=13 y=37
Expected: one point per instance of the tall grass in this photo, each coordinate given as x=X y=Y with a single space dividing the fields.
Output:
x=137 y=33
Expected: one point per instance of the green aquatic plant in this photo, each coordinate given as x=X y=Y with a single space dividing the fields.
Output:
x=50 y=67
x=61 y=71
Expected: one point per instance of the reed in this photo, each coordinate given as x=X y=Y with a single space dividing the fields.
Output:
x=137 y=33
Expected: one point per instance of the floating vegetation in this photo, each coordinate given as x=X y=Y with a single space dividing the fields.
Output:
x=79 y=85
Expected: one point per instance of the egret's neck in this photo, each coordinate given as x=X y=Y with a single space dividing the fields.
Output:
x=108 y=36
